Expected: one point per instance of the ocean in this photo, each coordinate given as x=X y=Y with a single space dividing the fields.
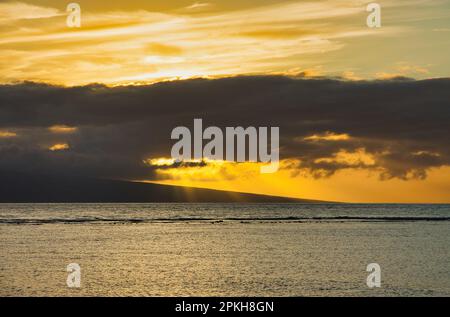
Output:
x=224 y=249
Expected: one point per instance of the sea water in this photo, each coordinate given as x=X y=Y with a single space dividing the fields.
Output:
x=224 y=249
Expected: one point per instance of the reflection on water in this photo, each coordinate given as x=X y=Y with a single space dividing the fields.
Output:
x=217 y=249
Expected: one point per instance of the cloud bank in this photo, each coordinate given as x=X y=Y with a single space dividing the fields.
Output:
x=396 y=128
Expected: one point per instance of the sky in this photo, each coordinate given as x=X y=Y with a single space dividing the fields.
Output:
x=133 y=41
x=363 y=112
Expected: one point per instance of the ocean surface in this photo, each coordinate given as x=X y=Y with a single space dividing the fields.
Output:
x=224 y=249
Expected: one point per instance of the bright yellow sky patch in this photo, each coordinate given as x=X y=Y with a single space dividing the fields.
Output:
x=350 y=185
x=354 y=185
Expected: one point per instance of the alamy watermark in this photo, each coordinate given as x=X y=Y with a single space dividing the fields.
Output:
x=74 y=16
x=374 y=278
x=374 y=18
x=234 y=141
x=74 y=276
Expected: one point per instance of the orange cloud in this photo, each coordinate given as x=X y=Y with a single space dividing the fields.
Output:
x=7 y=134
x=59 y=147
x=62 y=129
x=357 y=158
x=328 y=136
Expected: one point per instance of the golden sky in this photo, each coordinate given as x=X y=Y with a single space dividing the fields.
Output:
x=145 y=41
x=142 y=41
x=348 y=186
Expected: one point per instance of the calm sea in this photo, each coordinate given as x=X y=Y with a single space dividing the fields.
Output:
x=224 y=249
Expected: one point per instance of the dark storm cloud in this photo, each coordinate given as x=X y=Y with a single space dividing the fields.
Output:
x=402 y=124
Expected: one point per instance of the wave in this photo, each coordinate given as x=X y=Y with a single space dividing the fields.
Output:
x=96 y=220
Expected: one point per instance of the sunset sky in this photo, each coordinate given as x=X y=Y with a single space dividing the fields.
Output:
x=142 y=41
x=363 y=112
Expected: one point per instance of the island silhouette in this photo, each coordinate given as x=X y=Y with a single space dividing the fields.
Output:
x=34 y=188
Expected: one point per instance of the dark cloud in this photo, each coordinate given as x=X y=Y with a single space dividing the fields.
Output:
x=402 y=124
